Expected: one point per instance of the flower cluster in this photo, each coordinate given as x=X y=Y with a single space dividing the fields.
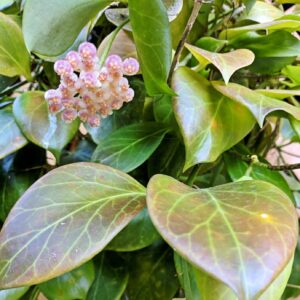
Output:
x=88 y=91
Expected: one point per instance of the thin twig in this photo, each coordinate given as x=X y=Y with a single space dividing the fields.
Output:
x=187 y=30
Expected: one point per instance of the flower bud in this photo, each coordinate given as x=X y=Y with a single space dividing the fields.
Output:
x=129 y=95
x=54 y=107
x=87 y=51
x=114 y=63
x=68 y=102
x=69 y=115
x=63 y=68
x=130 y=66
x=53 y=95
x=103 y=75
x=65 y=91
x=94 y=120
x=90 y=79
x=83 y=115
x=74 y=59
x=124 y=84
x=70 y=80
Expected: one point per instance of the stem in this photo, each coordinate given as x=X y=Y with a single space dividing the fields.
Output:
x=13 y=87
x=294 y=286
x=110 y=42
x=193 y=175
x=186 y=32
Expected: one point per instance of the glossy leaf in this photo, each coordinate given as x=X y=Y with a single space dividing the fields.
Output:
x=51 y=27
x=150 y=27
x=278 y=94
x=293 y=73
x=45 y=130
x=259 y=105
x=128 y=147
x=226 y=63
x=196 y=283
x=14 y=57
x=111 y=278
x=206 y=118
x=64 y=219
x=11 y=138
x=13 y=294
x=138 y=234
x=71 y=285
x=152 y=274
x=281 y=24
x=242 y=233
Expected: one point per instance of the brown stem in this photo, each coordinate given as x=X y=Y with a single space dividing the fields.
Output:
x=187 y=30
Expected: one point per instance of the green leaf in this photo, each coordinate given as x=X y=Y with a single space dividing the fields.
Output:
x=278 y=94
x=290 y=25
x=138 y=234
x=259 y=105
x=150 y=25
x=250 y=225
x=45 y=130
x=238 y=168
x=11 y=138
x=262 y=12
x=152 y=274
x=206 y=117
x=5 y=82
x=293 y=73
x=13 y=294
x=111 y=279
x=51 y=27
x=14 y=57
x=64 y=219
x=226 y=63
x=130 y=146
x=277 y=44
x=71 y=285
x=196 y=283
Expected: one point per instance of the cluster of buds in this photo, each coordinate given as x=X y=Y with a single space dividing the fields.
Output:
x=88 y=91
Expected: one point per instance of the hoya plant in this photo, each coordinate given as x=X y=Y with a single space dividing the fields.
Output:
x=149 y=149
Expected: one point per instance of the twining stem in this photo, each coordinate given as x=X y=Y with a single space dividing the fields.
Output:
x=186 y=32
x=110 y=42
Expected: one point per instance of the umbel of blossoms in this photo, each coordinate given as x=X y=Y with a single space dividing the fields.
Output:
x=88 y=91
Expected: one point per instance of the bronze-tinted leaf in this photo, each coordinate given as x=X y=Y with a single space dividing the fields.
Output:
x=210 y=123
x=242 y=233
x=64 y=219
x=259 y=104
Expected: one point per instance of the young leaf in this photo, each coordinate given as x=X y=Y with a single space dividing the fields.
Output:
x=138 y=234
x=51 y=27
x=11 y=138
x=64 y=219
x=196 y=283
x=127 y=148
x=71 y=285
x=226 y=63
x=242 y=233
x=210 y=123
x=150 y=27
x=111 y=279
x=14 y=57
x=47 y=131
x=259 y=105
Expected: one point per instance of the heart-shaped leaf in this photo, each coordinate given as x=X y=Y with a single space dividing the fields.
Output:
x=259 y=104
x=64 y=219
x=11 y=138
x=45 y=130
x=14 y=57
x=196 y=282
x=150 y=25
x=51 y=27
x=226 y=63
x=242 y=233
x=127 y=148
x=210 y=123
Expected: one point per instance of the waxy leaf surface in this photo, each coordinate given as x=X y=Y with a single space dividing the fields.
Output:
x=242 y=233
x=64 y=219
x=226 y=63
x=152 y=35
x=210 y=123
x=130 y=146
x=14 y=57
x=45 y=130
x=11 y=137
x=51 y=27
x=259 y=104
